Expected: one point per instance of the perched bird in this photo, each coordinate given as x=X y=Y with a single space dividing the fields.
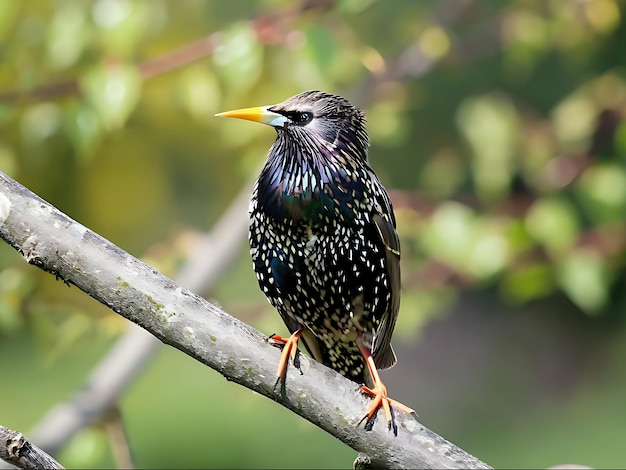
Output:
x=323 y=241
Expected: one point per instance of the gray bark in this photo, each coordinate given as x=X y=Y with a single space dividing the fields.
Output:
x=16 y=450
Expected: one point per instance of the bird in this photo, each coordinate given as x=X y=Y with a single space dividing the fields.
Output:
x=323 y=242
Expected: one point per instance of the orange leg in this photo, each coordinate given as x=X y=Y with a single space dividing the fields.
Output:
x=290 y=348
x=380 y=398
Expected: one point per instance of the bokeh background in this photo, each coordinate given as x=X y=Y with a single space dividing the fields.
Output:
x=497 y=127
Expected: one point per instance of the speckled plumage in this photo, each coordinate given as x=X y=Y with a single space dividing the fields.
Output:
x=322 y=235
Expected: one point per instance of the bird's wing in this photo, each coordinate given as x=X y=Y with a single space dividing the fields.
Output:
x=384 y=357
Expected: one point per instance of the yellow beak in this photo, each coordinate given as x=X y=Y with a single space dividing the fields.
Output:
x=260 y=114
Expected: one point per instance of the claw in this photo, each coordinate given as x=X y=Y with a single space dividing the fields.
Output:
x=381 y=400
x=290 y=349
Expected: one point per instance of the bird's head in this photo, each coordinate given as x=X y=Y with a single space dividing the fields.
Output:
x=313 y=121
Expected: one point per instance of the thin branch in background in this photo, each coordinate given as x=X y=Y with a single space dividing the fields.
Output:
x=120 y=446
x=17 y=451
x=52 y=241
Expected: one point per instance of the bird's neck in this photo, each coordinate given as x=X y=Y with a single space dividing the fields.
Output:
x=306 y=187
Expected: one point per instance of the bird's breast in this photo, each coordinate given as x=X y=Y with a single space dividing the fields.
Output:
x=320 y=197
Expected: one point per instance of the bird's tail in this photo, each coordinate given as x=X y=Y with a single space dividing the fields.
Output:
x=386 y=358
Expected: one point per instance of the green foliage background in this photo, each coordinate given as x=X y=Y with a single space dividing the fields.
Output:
x=495 y=124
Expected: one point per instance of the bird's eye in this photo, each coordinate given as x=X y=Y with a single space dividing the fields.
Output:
x=300 y=118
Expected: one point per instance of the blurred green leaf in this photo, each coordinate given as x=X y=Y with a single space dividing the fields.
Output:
x=583 y=276
x=604 y=15
x=528 y=41
x=238 y=58
x=602 y=189
x=8 y=162
x=529 y=282
x=200 y=92
x=386 y=123
x=68 y=34
x=84 y=128
x=10 y=316
x=518 y=237
x=86 y=449
x=553 y=223
x=320 y=46
x=40 y=122
x=354 y=6
x=418 y=307
x=15 y=288
x=471 y=244
x=620 y=141
x=443 y=173
x=121 y=23
x=434 y=42
x=60 y=328
x=574 y=118
x=490 y=125
x=490 y=251
x=449 y=234
x=6 y=114
x=113 y=91
x=9 y=10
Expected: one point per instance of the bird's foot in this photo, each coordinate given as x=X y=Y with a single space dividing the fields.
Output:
x=381 y=400
x=289 y=349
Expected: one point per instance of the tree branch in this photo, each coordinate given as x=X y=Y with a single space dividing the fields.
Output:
x=52 y=241
x=16 y=450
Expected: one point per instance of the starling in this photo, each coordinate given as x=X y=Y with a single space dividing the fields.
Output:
x=323 y=241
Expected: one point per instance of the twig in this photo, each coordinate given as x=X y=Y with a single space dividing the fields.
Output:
x=120 y=447
x=49 y=239
x=16 y=450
